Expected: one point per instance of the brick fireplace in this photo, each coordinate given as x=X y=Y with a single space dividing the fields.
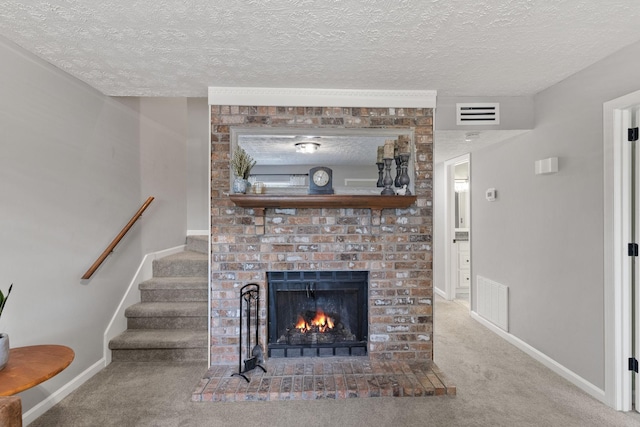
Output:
x=392 y=245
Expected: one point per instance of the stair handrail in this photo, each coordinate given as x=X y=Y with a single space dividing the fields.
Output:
x=117 y=239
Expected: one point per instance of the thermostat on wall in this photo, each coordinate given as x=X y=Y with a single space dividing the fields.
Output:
x=491 y=194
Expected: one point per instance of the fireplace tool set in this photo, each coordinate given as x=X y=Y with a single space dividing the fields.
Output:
x=249 y=303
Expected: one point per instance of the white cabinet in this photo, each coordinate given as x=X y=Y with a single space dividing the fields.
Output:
x=464 y=266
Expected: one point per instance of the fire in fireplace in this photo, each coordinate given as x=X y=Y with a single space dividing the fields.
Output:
x=317 y=327
x=317 y=313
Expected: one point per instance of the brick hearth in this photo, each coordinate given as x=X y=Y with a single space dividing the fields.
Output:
x=324 y=378
x=394 y=246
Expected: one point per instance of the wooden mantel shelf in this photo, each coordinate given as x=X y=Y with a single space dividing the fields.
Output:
x=334 y=201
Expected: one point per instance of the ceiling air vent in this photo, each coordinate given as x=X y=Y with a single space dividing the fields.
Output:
x=478 y=114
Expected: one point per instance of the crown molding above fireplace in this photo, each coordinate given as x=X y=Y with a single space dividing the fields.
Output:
x=283 y=97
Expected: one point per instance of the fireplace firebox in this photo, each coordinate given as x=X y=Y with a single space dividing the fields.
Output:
x=317 y=313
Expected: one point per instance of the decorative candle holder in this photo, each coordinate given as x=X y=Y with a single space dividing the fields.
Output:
x=396 y=182
x=388 y=181
x=404 y=175
x=380 y=182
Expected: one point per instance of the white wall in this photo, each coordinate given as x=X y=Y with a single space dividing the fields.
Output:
x=439 y=243
x=74 y=166
x=543 y=237
x=163 y=170
x=198 y=160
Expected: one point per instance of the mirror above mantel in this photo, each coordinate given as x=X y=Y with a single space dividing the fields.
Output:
x=283 y=168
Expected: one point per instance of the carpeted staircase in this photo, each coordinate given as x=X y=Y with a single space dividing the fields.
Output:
x=170 y=322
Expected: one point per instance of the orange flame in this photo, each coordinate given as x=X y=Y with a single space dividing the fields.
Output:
x=321 y=321
x=302 y=325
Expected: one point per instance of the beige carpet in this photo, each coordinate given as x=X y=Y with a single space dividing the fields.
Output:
x=497 y=385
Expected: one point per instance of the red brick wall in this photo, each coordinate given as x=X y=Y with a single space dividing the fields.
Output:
x=395 y=248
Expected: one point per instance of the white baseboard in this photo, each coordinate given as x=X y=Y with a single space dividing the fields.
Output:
x=57 y=396
x=197 y=232
x=556 y=367
x=440 y=292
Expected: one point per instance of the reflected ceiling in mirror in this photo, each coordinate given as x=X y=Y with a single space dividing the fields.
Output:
x=337 y=147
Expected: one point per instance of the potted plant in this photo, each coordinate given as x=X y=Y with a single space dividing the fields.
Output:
x=4 y=338
x=241 y=164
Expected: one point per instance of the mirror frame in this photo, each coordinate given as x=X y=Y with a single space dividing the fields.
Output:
x=387 y=133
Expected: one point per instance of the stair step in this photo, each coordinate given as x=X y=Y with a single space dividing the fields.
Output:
x=187 y=263
x=198 y=244
x=160 y=355
x=167 y=315
x=155 y=345
x=167 y=309
x=193 y=323
x=159 y=339
x=174 y=289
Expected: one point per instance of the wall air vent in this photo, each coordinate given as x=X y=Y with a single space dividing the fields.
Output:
x=478 y=114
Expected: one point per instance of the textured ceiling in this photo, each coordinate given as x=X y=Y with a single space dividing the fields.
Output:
x=459 y=48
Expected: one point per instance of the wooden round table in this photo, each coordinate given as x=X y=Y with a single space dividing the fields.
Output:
x=30 y=366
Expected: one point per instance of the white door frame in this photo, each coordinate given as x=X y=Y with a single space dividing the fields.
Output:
x=617 y=264
x=450 y=260
x=630 y=119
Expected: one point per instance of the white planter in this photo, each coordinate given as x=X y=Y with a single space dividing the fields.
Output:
x=4 y=350
x=240 y=186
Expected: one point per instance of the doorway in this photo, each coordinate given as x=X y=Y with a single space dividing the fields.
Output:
x=631 y=122
x=634 y=219
x=622 y=233
x=458 y=229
